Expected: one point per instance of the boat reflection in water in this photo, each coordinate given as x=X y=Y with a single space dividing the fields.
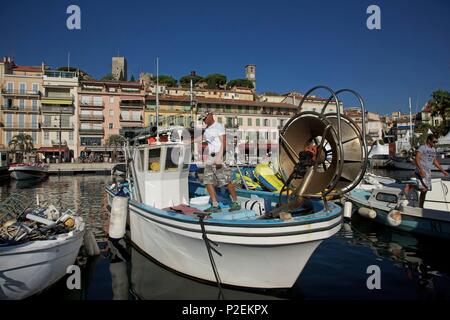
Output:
x=150 y=281
x=25 y=184
x=418 y=256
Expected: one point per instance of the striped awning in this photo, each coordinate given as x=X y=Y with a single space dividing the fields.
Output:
x=57 y=101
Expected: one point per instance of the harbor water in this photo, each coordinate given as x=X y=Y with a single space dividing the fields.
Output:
x=411 y=267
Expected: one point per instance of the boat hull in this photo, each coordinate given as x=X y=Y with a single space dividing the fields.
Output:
x=32 y=267
x=408 y=165
x=252 y=257
x=26 y=173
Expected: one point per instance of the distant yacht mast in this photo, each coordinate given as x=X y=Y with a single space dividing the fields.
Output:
x=157 y=98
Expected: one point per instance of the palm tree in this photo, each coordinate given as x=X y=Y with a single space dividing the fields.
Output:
x=440 y=105
x=21 y=142
x=115 y=140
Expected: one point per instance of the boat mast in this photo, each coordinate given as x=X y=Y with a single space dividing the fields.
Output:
x=410 y=125
x=157 y=98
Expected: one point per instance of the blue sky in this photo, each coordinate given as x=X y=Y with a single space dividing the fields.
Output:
x=294 y=44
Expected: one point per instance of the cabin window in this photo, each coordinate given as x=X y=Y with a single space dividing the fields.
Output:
x=153 y=160
x=172 y=159
x=387 y=197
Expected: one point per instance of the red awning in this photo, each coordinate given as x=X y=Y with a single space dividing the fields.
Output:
x=53 y=149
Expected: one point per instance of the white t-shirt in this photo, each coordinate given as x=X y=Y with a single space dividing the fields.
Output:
x=212 y=136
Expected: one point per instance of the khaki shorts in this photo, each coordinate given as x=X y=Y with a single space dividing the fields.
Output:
x=218 y=177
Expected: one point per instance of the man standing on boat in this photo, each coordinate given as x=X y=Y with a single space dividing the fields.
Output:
x=425 y=160
x=217 y=173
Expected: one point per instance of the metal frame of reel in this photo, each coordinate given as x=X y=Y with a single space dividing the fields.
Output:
x=330 y=130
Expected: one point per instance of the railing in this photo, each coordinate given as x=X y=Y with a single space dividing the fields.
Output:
x=56 y=126
x=59 y=97
x=6 y=91
x=56 y=142
x=57 y=109
x=91 y=131
x=132 y=105
x=18 y=125
x=91 y=104
x=19 y=109
x=131 y=123
x=60 y=74
x=91 y=117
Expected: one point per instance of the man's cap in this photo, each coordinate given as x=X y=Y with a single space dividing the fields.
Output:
x=204 y=114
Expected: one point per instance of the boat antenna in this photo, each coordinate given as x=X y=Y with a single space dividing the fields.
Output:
x=157 y=98
x=410 y=125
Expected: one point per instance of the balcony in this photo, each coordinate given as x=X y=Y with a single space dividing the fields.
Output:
x=56 y=142
x=92 y=104
x=20 y=93
x=60 y=74
x=60 y=99
x=129 y=123
x=55 y=126
x=131 y=104
x=91 y=131
x=20 y=109
x=91 y=117
x=56 y=109
x=21 y=126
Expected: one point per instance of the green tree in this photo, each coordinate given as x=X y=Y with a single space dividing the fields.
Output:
x=440 y=105
x=22 y=143
x=121 y=77
x=215 y=80
x=169 y=81
x=115 y=141
x=240 y=83
x=132 y=78
x=107 y=77
x=186 y=80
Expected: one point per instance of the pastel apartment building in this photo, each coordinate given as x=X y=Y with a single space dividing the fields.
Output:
x=107 y=108
x=59 y=117
x=20 y=101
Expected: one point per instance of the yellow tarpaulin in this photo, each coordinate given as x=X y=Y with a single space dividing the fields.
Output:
x=56 y=101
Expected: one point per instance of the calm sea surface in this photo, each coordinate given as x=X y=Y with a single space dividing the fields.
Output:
x=411 y=267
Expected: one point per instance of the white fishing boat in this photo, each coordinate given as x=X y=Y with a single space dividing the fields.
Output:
x=258 y=246
x=379 y=155
x=24 y=171
x=28 y=267
x=392 y=207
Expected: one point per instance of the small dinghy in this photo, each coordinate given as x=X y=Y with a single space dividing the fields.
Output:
x=37 y=244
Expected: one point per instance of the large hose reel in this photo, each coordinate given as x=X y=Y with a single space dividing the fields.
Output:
x=342 y=151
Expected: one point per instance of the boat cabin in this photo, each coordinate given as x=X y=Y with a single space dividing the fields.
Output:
x=162 y=171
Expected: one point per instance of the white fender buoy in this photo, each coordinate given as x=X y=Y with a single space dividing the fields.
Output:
x=118 y=218
x=90 y=244
x=394 y=218
x=367 y=213
x=348 y=207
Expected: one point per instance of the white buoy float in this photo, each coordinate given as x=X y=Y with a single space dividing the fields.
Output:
x=348 y=207
x=367 y=213
x=394 y=218
x=118 y=218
